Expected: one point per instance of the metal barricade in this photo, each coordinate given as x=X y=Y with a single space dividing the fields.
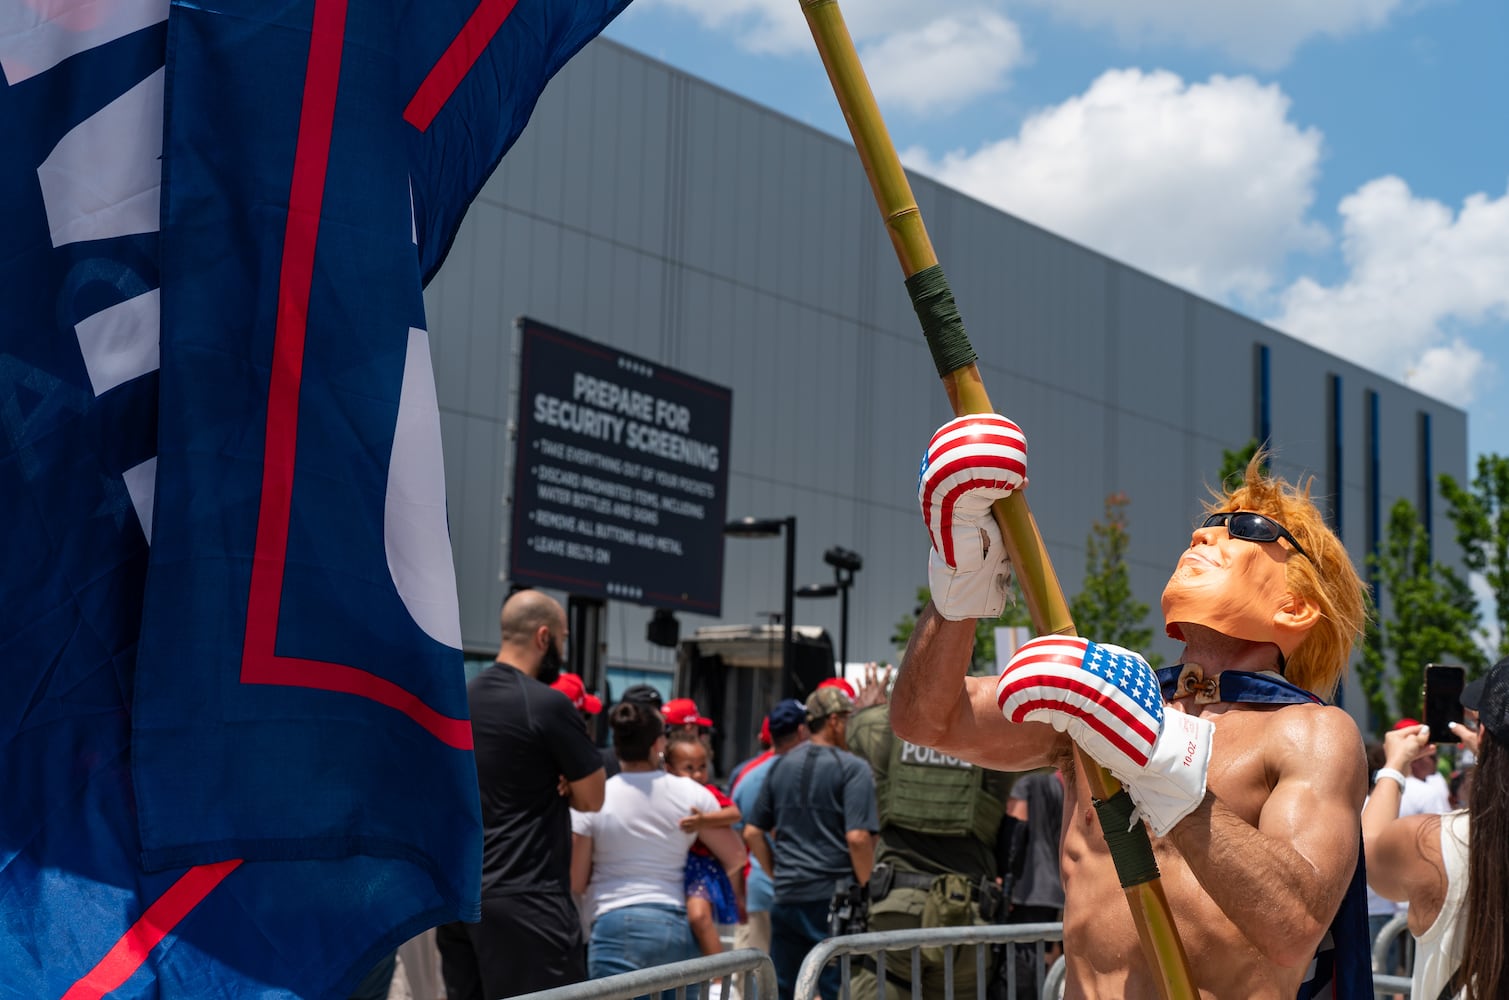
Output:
x=875 y=945
x=1397 y=929
x=749 y=964
x=1053 y=983
x=1050 y=985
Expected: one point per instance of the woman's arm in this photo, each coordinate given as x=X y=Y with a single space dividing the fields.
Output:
x=726 y=846
x=1397 y=868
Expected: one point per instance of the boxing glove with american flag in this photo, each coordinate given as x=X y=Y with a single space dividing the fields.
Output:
x=1108 y=701
x=971 y=462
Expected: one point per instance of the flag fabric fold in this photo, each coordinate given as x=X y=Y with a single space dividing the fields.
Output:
x=234 y=738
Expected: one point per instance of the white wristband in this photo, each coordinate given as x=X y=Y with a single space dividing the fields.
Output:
x=1392 y=774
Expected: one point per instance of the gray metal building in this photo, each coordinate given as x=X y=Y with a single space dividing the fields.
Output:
x=656 y=213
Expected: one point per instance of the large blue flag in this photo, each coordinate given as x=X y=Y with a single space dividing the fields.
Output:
x=233 y=738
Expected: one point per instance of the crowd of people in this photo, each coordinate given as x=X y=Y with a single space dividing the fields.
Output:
x=950 y=799
x=598 y=861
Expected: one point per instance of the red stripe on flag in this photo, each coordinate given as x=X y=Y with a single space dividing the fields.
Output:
x=306 y=197
x=260 y=663
x=1066 y=649
x=1134 y=754
x=1095 y=696
x=156 y=922
x=342 y=679
x=456 y=61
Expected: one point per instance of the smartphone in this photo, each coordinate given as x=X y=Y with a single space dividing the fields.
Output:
x=1443 y=700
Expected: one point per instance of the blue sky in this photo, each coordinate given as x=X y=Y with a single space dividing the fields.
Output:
x=1339 y=169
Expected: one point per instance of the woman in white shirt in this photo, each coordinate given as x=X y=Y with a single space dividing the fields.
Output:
x=1452 y=869
x=629 y=857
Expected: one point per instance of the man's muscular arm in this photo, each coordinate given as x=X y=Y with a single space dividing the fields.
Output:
x=936 y=704
x=1281 y=882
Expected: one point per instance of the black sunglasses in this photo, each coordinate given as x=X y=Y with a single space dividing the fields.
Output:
x=1250 y=527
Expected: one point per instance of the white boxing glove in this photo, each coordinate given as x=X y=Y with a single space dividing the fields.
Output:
x=1108 y=700
x=971 y=462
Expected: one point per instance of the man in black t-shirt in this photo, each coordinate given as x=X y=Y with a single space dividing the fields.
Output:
x=535 y=762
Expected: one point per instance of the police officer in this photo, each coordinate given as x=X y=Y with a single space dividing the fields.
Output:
x=937 y=861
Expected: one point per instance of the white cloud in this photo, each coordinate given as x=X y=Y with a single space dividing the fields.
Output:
x=1487 y=635
x=1452 y=372
x=1417 y=275
x=1260 y=34
x=946 y=64
x=763 y=26
x=1207 y=185
x=916 y=59
x=779 y=27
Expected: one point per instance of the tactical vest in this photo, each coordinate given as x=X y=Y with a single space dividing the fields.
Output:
x=932 y=793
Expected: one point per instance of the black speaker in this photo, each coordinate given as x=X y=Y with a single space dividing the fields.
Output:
x=663 y=629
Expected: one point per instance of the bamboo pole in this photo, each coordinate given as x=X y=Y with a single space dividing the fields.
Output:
x=966 y=394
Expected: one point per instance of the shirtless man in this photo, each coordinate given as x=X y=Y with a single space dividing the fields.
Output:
x=1253 y=807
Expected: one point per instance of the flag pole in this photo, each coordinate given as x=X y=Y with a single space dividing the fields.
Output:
x=955 y=361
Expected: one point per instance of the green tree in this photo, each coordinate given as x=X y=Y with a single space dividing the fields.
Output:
x=1105 y=610
x=1481 y=517
x=984 y=661
x=1234 y=463
x=1374 y=667
x=1431 y=618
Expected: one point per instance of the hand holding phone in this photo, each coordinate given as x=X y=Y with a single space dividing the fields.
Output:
x=1443 y=700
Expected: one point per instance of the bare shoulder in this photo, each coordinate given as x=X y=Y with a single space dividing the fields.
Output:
x=1313 y=740
x=1315 y=727
x=1405 y=864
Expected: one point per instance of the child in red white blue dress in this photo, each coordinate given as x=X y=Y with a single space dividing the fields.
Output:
x=713 y=896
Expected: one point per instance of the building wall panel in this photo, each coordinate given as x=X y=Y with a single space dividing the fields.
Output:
x=651 y=211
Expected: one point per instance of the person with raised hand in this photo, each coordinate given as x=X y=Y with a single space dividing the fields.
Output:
x=1249 y=783
x=1452 y=869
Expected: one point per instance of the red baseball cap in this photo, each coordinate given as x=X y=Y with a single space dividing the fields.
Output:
x=765 y=739
x=841 y=684
x=572 y=687
x=684 y=712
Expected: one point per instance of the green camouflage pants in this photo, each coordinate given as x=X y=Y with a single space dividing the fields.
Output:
x=907 y=909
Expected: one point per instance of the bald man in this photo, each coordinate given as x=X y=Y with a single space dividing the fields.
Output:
x=534 y=760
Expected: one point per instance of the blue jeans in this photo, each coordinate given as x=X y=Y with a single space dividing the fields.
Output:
x=638 y=937
x=794 y=929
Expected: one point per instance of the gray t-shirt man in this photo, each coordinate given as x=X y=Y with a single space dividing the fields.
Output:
x=811 y=798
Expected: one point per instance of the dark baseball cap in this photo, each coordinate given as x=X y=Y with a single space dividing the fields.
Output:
x=787 y=717
x=1489 y=697
x=643 y=694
